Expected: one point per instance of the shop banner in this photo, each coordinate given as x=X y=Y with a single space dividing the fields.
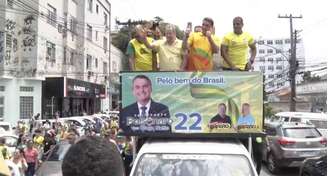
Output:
x=191 y=102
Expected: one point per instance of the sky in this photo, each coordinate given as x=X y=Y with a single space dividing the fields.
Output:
x=260 y=18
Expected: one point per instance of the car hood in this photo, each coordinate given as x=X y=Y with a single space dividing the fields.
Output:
x=50 y=168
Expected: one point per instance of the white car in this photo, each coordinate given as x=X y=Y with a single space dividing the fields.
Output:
x=11 y=142
x=186 y=157
x=5 y=128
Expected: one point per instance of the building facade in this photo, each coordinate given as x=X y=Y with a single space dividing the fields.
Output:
x=44 y=39
x=273 y=61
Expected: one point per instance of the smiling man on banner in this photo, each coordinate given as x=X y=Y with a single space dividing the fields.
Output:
x=145 y=115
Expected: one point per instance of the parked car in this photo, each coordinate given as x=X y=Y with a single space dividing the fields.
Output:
x=11 y=142
x=5 y=127
x=53 y=161
x=289 y=143
x=319 y=120
x=193 y=157
x=316 y=166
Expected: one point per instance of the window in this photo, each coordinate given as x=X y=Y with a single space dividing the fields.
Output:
x=2 y=88
x=271 y=84
x=260 y=42
x=270 y=60
x=26 y=107
x=271 y=76
x=270 y=51
x=2 y=106
x=105 y=44
x=278 y=42
x=89 y=61
x=298 y=40
x=269 y=42
x=270 y=67
x=97 y=8
x=96 y=62
x=262 y=59
x=90 y=2
x=261 y=51
x=105 y=67
x=287 y=41
x=278 y=59
x=114 y=66
x=262 y=68
x=10 y=3
x=281 y=84
x=71 y=57
x=278 y=51
x=73 y=25
x=105 y=19
x=96 y=35
x=51 y=51
x=279 y=76
x=25 y=89
x=52 y=15
x=279 y=67
x=65 y=55
x=9 y=42
x=89 y=32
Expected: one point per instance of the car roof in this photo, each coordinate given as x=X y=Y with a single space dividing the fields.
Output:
x=306 y=115
x=289 y=125
x=186 y=146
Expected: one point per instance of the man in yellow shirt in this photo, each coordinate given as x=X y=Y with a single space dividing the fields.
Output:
x=140 y=57
x=201 y=46
x=234 y=48
x=169 y=50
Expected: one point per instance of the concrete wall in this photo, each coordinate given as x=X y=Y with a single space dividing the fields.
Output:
x=12 y=95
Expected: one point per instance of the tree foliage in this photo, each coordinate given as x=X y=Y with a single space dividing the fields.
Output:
x=308 y=77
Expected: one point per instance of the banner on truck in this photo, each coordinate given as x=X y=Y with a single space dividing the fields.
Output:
x=191 y=102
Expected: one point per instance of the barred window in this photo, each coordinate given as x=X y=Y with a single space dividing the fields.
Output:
x=52 y=15
x=2 y=88
x=26 y=106
x=2 y=103
x=26 y=89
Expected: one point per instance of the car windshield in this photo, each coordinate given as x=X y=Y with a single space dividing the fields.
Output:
x=319 y=124
x=5 y=127
x=301 y=132
x=58 y=153
x=10 y=141
x=193 y=165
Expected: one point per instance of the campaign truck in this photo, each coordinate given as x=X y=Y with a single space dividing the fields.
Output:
x=192 y=123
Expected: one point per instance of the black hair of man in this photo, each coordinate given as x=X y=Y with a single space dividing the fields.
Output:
x=239 y=18
x=93 y=156
x=141 y=77
x=210 y=20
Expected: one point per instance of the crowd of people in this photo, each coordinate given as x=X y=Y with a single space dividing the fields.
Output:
x=150 y=51
x=36 y=138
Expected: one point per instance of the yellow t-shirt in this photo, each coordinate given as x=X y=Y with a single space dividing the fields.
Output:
x=201 y=55
x=142 y=54
x=237 y=48
x=170 y=56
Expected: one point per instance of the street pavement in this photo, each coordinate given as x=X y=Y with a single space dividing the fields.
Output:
x=283 y=172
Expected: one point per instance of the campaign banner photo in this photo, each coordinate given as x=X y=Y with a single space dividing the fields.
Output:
x=191 y=102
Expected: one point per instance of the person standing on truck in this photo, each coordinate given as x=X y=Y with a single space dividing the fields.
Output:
x=140 y=57
x=169 y=50
x=201 y=46
x=234 y=48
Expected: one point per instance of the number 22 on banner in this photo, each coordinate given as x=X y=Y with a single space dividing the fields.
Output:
x=188 y=123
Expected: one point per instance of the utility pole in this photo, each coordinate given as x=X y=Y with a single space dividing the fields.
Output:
x=292 y=60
